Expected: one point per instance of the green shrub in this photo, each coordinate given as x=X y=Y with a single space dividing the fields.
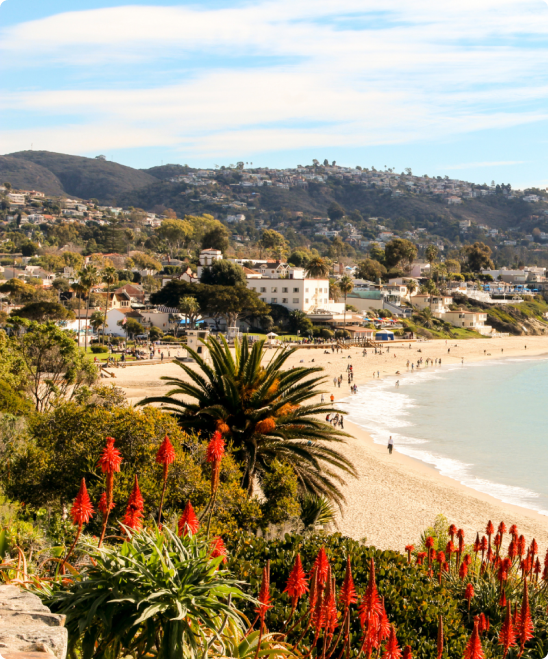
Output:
x=99 y=348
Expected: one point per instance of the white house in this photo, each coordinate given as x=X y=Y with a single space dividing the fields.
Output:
x=469 y=320
x=303 y=294
x=208 y=258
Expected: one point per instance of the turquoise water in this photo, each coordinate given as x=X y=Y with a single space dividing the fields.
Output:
x=484 y=424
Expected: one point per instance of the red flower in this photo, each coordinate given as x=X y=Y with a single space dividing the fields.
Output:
x=483 y=626
x=489 y=530
x=321 y=564
x=439 y=642
x=429 y=543
x=452 y=531
x=502 y=599
x=521 y=546
x=392 y=648
x=502 y=528
x=534 y=547
x=264 y=594
x=384 y=623
x=483 y=546
x=441 y=557
x=512 y=549
x=420 y=557
x=348 y=594
x=330 y=606
x=188 y=521
x=102 y=506
x=507 y=636
x=525 y=623
x=218 y=549
x=514 y=530
x=216 y=448
x=469 y=593
x=166 y=453
x=467 y=560
x=110 y=458
x=463 y=571
x=370 y=605
x=297 y=584
x=477 y=544
x=409 y=549
x=135 y=506
x=407 y=653
x=473 y=650
x=82 y=509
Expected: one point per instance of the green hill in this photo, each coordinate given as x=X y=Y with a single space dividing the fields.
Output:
x=85 y=178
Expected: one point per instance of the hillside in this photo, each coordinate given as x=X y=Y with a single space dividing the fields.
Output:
x=26 y=175
x=85 y=178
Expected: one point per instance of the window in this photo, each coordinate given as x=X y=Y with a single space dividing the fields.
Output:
x=252 y=288
x=274 y=289
x=263 y=289
x=296 y=289
x=199 y=349
x=263 y=299
x=273 y=300
x=286 y=300
x=306 y=290
x=306 y=301
x=295 y=301
x=284 y=289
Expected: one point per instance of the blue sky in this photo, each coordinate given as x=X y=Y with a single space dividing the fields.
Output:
x=457 y=88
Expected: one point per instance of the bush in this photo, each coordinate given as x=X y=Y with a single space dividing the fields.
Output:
x=327 y=334
x=99 y=348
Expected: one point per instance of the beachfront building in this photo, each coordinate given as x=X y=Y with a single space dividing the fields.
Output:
x=438 y=305
x=469 y=320
x=208 y=258
x=336 y=321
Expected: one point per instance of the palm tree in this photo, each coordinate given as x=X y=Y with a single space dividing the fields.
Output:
x=317 y=268
x=109 y=276
x=97 y=321
x=334 y=291
x=79 y=288
x=263 y=413
x=89 y=277
x=346 y=284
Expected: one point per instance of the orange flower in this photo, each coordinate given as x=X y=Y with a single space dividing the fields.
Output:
x=188 y=521
x=166 y=453
x=265 y=426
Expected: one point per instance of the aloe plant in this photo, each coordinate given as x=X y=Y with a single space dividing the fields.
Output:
x=156 y=594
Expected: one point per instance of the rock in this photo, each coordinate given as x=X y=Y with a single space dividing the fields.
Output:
x=27 y=627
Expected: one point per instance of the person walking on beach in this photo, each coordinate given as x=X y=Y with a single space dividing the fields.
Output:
x=322 y=399
x=390 y=445
x=332 y=398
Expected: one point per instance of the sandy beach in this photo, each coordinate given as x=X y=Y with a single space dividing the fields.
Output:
x=394 y=497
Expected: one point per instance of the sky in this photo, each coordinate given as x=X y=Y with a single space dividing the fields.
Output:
x=456 y=88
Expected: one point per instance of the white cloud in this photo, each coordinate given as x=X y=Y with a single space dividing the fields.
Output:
x=407 y=71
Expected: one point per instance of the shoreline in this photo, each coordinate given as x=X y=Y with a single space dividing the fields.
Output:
x=394 y=497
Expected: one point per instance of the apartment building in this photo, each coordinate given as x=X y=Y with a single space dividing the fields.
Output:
x=303 y=294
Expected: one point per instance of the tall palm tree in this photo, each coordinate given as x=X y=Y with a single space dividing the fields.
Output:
x=109 y=277
x=79 y=288
x=346 y=284
x=89 y=277
x=263 y=412
x=97 y=321
x=317 y=267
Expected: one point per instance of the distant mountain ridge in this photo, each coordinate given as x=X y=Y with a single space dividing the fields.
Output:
x=86 y=178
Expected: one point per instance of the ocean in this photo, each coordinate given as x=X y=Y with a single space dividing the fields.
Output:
x=484 y=424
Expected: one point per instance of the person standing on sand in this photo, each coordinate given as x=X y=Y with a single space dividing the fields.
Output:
x=322 y=399
x=390 y=445
x=332 y=398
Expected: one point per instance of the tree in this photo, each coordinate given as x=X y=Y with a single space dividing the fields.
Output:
x=216 y=238
x=478 y=256
x=370 y=269
x=61 y=285
x=44 y=311
x=431 y=254
x=175 y=232
x=97 y=321
x=109 y=276
x=144 y=262
x=346 y=285
x=18 y=291
x=190 y=308
x=80 y=289
x=334 y=291
x=262 y=405
x=317 y=268
x=377 y=253
x=231 y=303
x=225 y=273
x=299 y=258
x=399 y=253
x=452 y=265
x=54 y=368
x=335 y=211
x=132 y=327
x=89 y=277
x=299 y=323
x=271 y=240
x=29 y=248
x=150 y=284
